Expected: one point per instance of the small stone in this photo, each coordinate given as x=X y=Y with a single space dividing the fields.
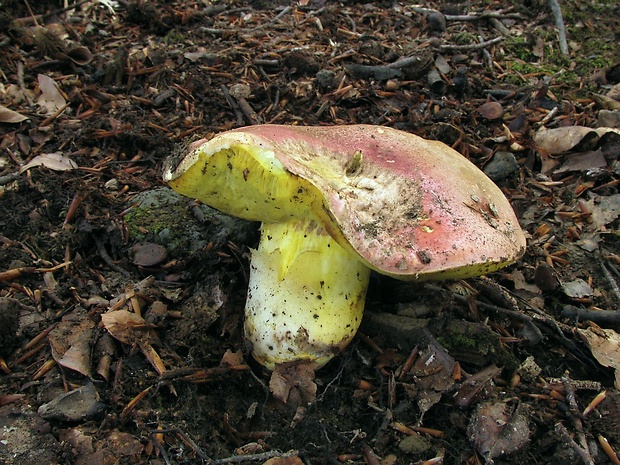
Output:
x=415 y=444
x=546 y=278
x=436 y=22
x=326 y=78
x=501 y=166
x=491 y=110
x=77 y=405
x=9 y=324
x=577 y=289
x=148 y=254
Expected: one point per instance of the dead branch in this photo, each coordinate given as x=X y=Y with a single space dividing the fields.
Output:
x=554 y=5
x=605 y=318
x=469 y=47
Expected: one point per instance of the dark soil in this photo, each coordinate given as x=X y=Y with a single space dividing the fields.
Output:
x=137 y=80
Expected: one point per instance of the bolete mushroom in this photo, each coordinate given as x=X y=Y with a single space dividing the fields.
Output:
x=336 y=203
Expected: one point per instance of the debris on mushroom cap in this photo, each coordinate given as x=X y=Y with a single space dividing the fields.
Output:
x=409 y=207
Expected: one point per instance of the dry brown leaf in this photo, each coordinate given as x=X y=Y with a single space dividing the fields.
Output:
x=496 y=429
x=128 y=327
x=605 y=347
x=232 y=359
x=604 y=209
x=583 y=161
x=54 y=161
x=560 y=140
x=434 y=368
x=10 y=116
x=153 y=357
x=294 y=384
x=477 y=387
x=70 y=342
x=433 y=372
x=294 y=460
x=50 y=99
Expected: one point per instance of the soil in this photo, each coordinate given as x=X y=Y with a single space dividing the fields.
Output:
x=135 y=307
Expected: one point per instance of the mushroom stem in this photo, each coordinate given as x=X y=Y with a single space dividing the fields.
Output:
x=306 y=295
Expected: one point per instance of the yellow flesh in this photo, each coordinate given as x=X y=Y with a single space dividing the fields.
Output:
x=306 y=293
x=247 y=182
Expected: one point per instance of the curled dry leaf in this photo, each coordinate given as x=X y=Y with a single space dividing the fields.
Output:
x=80 y=55
x=605 y=347
x=496 y=429
x=604 y=209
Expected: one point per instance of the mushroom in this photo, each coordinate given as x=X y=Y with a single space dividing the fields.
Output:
x=336 y=203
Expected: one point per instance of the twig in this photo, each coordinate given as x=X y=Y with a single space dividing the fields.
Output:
x=33 y=19
x=404 y=62
x=185 y=438
x=610 y=279
x=559 y=23
x=8 y=178
x=497 y=24
x=284 y=12
x=103 y=253
x=604 y=318
x=464 y=48
x=485 y=15
x=233 y=104
x=22 y=84
x=561 y=430
x=516 y=315
x=569 y=391
x=254 y=457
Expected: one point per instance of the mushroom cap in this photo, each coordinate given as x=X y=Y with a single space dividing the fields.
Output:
x=408 y=207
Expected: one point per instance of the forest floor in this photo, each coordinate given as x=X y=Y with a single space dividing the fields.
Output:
x=121 y=303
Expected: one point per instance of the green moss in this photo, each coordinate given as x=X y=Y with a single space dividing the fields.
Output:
x=174 y=37
x=144 y=221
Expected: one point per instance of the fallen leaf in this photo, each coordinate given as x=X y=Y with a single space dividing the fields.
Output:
x=605 y=209
x=433 y=372
x=605 y=347
x=294 y=460
x=50 y=99
x=54 y=161
x=70 y=342
x=560 y=140
x=577 y=289
x=10 y=116
x=496 y=429
x=128 y=327
x=583 y=162
x=232 y=359
x=293 y=383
